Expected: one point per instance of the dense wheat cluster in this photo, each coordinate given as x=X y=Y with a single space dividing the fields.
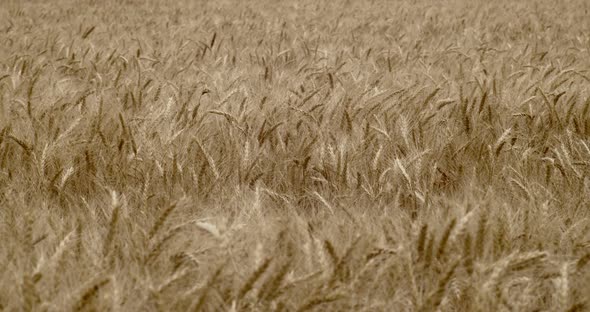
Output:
x=294 y=155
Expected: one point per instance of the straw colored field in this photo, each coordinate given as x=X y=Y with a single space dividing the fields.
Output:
x=294 y=155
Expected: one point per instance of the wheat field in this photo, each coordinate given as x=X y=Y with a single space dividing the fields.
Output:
x=294 y=155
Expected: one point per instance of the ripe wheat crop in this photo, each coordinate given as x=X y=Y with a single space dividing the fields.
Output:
x=294 y=155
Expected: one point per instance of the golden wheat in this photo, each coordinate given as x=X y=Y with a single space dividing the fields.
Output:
x=294 y=156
